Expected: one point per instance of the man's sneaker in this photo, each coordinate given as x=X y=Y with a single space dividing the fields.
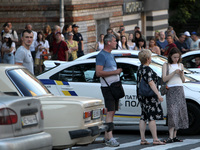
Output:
x=112 y=143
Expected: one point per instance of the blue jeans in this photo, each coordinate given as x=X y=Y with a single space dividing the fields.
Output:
x=8 y=59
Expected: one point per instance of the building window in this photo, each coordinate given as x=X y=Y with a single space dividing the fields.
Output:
x=102 y=26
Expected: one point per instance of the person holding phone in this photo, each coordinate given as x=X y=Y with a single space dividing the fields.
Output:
x=175 y=97
x=120 y=33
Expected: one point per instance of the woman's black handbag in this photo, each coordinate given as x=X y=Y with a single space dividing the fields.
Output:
x=163 y=89
x=116 y=89
x=145 y=89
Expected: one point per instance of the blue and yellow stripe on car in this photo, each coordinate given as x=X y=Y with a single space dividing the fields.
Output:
x=53 y=82
x=130 y=116
x=127 y=116
x=56 y=82
x=69 y=93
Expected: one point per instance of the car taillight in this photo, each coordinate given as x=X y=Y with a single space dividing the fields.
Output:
x=41 y=113
x=87 y=114
x=7 y=116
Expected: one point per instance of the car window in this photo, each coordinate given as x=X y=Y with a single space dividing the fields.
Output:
x=26 y=83
x=189 y=61
x=77 y=73
x=129 y=73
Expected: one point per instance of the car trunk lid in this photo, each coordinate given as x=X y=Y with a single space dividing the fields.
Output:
x=85 y=101
x=28 y=111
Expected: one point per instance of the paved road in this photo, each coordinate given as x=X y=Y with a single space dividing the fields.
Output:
x=129 y=139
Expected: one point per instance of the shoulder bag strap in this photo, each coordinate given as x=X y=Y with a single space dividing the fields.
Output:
x=104 y=78
x=106 y=81
x=167 y=69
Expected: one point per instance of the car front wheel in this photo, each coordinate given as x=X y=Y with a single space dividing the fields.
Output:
x=193 y=116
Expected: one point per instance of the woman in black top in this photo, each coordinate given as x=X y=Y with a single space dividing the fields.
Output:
x=150 y=106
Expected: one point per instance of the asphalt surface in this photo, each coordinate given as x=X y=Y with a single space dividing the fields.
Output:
x=129 y=138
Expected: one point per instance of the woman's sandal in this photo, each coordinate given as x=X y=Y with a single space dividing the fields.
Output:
x=177 y=140
x=169 y=140
x=144 y=142
x=158 y=142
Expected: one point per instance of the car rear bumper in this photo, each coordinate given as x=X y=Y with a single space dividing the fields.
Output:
x=91 y=131
x=42 y=141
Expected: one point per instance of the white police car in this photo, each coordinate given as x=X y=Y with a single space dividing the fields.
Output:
x=188 y=60
x=158 y=59
x=77 y=78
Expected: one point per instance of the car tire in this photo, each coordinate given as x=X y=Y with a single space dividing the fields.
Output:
x=194 y=123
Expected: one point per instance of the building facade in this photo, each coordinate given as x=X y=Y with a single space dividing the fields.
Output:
x=92 y=16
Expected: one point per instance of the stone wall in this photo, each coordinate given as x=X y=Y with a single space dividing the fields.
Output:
x=42 y=12
x=86 y=14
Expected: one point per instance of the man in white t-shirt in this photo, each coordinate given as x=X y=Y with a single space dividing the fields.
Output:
x=23 y=54
x=195 y=44
x=32 y=47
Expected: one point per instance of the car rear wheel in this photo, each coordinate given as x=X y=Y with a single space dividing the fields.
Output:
x=193 y=115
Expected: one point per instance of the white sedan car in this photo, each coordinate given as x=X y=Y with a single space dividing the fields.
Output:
x=80 y=80
x=188 y=60
x=69 y=120
x=22 y=124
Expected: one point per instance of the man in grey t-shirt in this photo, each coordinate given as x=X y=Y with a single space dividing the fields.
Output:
x=23 y=54
x=106 y=68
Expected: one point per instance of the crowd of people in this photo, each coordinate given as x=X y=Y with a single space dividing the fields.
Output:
x=35 y=47
x=160 y=44
x=67 y=43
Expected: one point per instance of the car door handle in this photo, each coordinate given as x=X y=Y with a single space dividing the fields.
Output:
x=67 y=88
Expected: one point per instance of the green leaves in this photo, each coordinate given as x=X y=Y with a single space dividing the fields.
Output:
x=184 y=15
x=181 y=10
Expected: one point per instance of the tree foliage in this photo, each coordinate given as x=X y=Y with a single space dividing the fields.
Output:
x=181 y=10
x=184 y=12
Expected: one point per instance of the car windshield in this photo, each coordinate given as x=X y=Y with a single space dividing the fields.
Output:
x=158 y=69
x=26 y=83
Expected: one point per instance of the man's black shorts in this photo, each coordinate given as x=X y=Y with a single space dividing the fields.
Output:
x=110 y=103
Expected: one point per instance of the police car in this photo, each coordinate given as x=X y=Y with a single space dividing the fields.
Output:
x=77 y=78
x=188 y=60
x=158 y=59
